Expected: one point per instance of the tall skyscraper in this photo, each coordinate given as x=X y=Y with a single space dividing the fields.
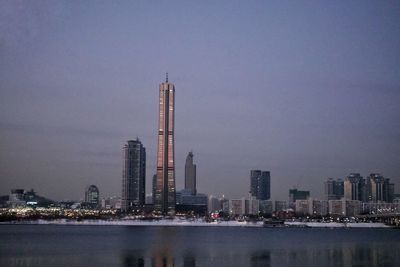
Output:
x=165 y=184
x=190 y=174
x=254 y=174
x=264 y=186
x=260 y=184
x=134 y=175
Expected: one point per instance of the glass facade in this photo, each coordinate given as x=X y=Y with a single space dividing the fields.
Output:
x=164 y=199
x=133 y=176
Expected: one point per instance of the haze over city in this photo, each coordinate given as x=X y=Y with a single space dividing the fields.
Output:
x=307 y=91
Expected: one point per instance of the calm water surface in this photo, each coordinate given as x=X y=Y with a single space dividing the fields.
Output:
x=56 y=245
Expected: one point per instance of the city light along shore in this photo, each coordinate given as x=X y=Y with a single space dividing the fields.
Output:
x=177 y=222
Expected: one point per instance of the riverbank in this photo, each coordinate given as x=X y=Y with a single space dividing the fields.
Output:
x=199 y=223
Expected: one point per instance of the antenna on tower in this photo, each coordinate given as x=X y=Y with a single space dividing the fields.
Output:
x=166 y=78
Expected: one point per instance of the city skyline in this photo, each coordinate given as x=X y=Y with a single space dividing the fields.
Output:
x=305 y=91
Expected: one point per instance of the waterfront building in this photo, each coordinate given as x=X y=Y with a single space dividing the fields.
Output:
x=295 y=194
x=353 y=207
x=214 y=204
x=252 y=206
x=133 y=176
x=265 y=207
x=302 y=207
x=344 y=207
x=260 y=184
x=237 y=207
x=280 y=205
x=334 y=189
x=111 y=203
x=337 y=207
x=243 y=206
x=318 y=207
x=313 y=207
x=379 y=208
x=225 y=203
x=188 y=203
x=92 y=196
x=22 y=198
x=190 y=174
x=164 y=200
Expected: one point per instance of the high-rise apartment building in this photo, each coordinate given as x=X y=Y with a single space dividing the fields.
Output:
x=134 y=175
x=260 y=184
x=355 y=187
x=379 y=188
x=334 y=189
x=165 y=180
x=190 y=174
x=254 y=175
x=264 y=186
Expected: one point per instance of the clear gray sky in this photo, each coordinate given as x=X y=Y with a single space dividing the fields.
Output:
x=305 y=89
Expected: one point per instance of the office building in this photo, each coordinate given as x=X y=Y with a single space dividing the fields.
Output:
x=190 y=174
x=133 y=176
x=260 y=184
x=164 y=200
x=186 y=202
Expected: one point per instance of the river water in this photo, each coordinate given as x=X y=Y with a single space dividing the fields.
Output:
x=58 y=245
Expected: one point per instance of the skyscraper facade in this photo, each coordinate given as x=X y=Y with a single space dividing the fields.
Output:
x=379 y=188
x=133 y=176
x=355 y=187
x=334 y=189
x=190 y=174
x=260 y=184
x=254 y=174
x=165 y=181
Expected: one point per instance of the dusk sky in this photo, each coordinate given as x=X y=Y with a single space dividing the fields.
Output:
x=305 y=89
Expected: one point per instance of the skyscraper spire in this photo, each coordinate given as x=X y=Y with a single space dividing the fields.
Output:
x=166 y=78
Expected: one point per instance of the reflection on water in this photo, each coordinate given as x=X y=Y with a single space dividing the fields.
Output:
x=346 y=256
x=162 y=258
x=196 y=247
x=261 y=259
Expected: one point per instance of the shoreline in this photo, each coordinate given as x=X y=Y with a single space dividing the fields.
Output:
x=184 y=223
